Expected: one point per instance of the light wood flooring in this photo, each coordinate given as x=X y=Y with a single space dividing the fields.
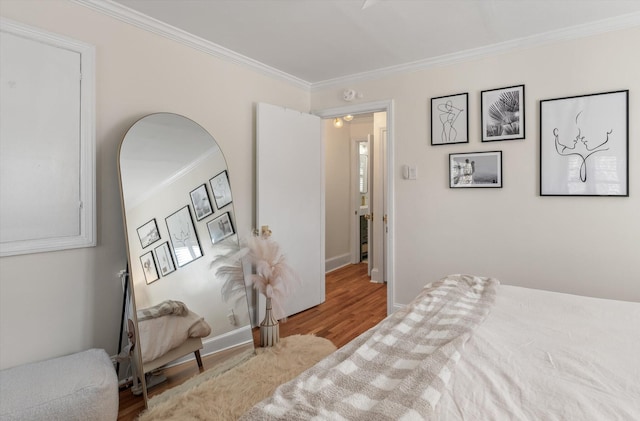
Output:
x=353 y=305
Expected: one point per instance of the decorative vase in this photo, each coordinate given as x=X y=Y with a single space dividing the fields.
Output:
x=269 y=328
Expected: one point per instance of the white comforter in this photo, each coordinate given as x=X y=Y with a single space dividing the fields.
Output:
x=548 y=356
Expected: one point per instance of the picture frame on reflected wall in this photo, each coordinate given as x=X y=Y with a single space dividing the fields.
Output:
x=221 y=189
x=149 y=267
x=201 y=203
x=584 y=145
x=220 y=228
x=164 y=259
x=148 y=233
x=475 y=170
x=183 y=236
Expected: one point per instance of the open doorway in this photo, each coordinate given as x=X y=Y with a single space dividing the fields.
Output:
x=384 y=215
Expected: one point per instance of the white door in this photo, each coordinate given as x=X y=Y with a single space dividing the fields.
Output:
x=290 y=197
x=377 y=250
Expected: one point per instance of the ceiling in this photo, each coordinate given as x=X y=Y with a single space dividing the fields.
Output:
x=319 y=41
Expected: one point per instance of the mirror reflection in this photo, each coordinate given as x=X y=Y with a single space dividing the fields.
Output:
x=363 y=169
x=179 y=218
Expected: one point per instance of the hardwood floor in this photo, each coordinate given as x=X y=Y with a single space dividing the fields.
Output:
x=353 y=305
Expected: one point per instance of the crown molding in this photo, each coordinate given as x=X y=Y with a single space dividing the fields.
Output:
x=130 y=16
x=142 y=21
x=574 y=32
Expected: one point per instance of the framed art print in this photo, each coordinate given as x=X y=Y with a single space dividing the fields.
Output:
x=184 y=239
x=220 y=228
x=502 y=113
x=164 y=259
x=221 y=189
x=475 y=170
x=148 y=233
x=450 y=119
x=149 y=267
x=584 y=145
x=201 y=203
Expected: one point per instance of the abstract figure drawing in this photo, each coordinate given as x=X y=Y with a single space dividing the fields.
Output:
x=580 y=147
x=448 y=116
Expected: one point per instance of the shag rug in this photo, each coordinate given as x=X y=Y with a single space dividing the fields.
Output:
x=213 y=395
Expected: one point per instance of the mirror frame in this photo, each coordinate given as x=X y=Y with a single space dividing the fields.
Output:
x=213 y=216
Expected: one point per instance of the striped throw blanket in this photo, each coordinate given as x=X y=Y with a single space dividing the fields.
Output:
x=396 y=370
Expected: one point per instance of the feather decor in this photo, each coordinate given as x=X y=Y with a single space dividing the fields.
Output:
x=227 y=266
x=273 y=277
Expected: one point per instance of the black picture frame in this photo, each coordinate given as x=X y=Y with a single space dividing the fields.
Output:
x=503 y=114
x=149 y=267
x=183 y=236
x=148 y=233
x=220 y=228
x=584 y=145
x=221 y=189
x=201 y=203
x=475 y=170
x=164 y=259
x=450 y=119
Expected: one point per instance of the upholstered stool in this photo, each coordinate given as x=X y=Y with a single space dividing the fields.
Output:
x=81 y=386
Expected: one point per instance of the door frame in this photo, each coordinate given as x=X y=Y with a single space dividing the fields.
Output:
x=389 y=198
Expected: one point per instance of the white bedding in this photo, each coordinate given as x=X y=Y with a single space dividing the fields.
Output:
x=396 y=371
x=548 y=356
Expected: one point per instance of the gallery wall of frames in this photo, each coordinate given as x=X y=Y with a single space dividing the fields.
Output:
x=178 y=224
x=181 y=243
x=583 y=140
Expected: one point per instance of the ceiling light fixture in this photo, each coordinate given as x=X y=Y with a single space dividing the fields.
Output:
x=337 y=122
x=348 y=117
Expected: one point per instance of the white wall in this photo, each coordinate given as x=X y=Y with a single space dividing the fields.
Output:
x=510 y=233
x=337 y=193
x=56 y=303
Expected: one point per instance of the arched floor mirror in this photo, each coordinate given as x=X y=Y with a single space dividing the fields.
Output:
x=179 y=220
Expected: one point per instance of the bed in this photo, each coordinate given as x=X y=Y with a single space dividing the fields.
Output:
x=468 y=348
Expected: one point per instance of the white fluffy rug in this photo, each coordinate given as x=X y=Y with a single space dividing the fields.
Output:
x=226 y=396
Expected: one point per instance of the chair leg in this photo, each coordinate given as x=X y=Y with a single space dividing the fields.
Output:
x=198 y=358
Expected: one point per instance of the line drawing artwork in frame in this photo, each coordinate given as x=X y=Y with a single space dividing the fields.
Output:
x=220 y=228
x=148 y=233
x=221 y=189
x=164 y=259
x=475 y=170
x=183 y=236
x=450 y=119
x=584 y=145
x=201 y=203
x=149 y=267
x=502 y=113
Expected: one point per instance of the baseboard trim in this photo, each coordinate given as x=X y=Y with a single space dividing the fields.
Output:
x=397 y=307
x=337 y=262
x=235 y=338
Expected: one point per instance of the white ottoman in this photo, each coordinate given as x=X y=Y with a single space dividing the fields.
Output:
x=81 y=386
